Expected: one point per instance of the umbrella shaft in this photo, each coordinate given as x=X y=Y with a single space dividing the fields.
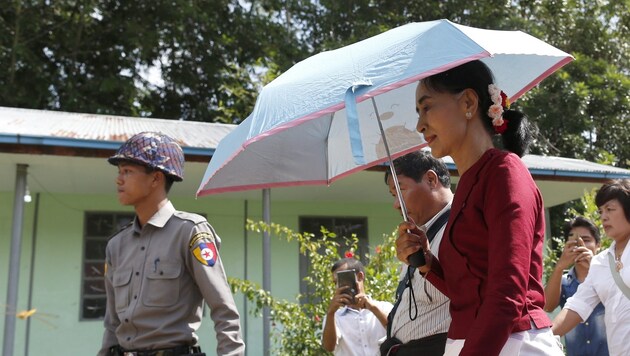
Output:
x=401 y=201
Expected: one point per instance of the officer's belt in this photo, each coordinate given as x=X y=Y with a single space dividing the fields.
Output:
x=175 y=351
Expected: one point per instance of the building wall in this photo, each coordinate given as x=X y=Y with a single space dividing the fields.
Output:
x=55 y=328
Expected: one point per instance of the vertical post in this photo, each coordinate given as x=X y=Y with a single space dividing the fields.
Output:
x=31 y=277
x=547 y=240
x=245 y=271
x=14 y=259
x=266 y=269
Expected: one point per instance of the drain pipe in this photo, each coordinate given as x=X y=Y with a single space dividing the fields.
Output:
x=31 y=277
x=245 y=273
x=266 y=270
x=14 y=259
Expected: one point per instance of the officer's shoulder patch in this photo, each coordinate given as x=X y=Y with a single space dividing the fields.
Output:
x=195 y=218
x=205 y=236
x=203 y=248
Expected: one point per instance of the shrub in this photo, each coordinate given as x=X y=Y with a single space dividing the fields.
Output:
x=297 y=325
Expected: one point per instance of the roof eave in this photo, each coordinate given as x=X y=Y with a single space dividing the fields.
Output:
x=38 y=141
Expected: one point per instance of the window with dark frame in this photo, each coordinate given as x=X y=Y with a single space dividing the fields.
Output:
x=99 y=227
x=342 y=227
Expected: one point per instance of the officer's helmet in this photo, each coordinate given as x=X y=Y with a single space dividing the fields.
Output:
x=154 y=150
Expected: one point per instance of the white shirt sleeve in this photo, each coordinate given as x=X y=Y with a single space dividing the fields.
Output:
x=585 y=298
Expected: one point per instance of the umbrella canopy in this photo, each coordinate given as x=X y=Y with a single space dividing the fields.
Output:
x=319 y=121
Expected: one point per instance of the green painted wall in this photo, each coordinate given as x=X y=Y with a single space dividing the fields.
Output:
x=55 y=328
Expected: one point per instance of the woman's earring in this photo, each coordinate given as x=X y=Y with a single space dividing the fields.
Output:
x=468 y=115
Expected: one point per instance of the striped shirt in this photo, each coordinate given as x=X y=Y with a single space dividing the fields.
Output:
x=433 y=315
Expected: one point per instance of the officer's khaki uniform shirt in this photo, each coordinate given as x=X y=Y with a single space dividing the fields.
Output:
x=157 y=278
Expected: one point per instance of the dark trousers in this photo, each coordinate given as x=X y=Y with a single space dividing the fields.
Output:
x=433 y=345
x=175 y=351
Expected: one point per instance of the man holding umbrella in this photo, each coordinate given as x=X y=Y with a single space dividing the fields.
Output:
x=420 y=318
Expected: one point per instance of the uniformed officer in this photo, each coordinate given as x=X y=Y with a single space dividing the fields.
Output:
x=163 y=265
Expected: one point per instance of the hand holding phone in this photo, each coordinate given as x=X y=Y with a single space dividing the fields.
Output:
x=347 y=279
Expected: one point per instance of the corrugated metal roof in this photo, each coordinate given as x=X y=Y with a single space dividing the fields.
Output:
x=564 y=167
x=55 y=128
x=570 y=166
x=72 y=129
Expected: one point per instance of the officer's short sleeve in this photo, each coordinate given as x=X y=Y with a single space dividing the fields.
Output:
x=111 y=318
x=207 y=269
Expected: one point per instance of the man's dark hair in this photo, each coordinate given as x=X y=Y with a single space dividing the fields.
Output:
x=615 y=189
x=582 y=222
x=415 y=164
x=352 y=263
x=168 y=180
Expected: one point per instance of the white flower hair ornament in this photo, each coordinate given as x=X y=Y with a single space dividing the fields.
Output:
x=500 y=102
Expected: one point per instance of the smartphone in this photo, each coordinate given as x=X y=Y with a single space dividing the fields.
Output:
x=574 y=237
x=347 y=278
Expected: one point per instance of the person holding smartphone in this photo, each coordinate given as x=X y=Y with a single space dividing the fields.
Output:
x=354 y=322
x=582 y=243
x=608 y=279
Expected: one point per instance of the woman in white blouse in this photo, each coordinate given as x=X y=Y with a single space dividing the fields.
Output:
x=613 y=201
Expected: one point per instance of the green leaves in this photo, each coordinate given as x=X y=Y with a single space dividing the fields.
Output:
x=583 y=110
x=210 y=58
x=297 y=324
x=92 y=56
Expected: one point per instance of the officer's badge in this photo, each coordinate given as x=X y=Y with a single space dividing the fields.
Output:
x=203 y=248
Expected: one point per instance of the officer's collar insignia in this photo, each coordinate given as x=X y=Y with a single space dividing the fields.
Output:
x=203 y=248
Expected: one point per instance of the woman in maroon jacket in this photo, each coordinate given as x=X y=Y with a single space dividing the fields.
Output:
x=490 y=260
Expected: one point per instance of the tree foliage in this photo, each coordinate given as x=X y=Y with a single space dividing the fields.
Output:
x=209 y=58
x=584 y=110
x=206 y=60
x=97 y=56
x=297 y=324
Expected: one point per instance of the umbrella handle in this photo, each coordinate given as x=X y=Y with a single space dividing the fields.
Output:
x=416 y=259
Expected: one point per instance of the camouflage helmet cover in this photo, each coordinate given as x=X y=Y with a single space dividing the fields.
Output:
x=154 y=150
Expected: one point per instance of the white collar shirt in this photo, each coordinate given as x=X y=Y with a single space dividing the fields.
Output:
x=359 y=331
x=599 y=286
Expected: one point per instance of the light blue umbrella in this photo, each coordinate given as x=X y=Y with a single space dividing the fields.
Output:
x=321 y=120
x=341 y=111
